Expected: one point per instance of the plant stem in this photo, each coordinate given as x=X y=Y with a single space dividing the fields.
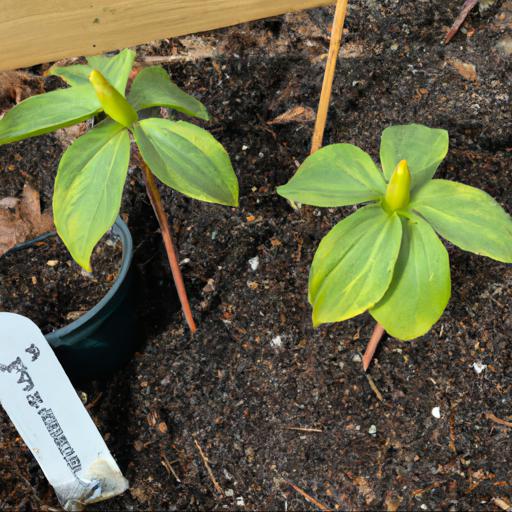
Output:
x=330 y=69
x=156 y=202
x=377 y=334
x=461 y=18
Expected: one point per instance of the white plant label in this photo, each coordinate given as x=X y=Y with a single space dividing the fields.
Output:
x=41 y=402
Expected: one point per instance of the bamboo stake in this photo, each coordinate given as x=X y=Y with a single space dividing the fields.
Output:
x=330 y=69
x=321 y=120
x=156 y=202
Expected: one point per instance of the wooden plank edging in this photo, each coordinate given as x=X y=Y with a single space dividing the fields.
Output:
x=37 y=31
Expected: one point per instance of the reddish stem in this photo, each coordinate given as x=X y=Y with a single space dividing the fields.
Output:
x=377 y=334
x=156 y=202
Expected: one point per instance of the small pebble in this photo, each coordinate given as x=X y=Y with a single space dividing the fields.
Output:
x=240 y=502
x=229 y=493
x=254 y=263
x=372 y=430
x=52 y=263
x=436 y=412
x=165 y=381
x=276 y=342
x=479 y=367
x=356 y=358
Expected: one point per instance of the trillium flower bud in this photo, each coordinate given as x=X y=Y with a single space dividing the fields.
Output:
x=113 y=103
x=399 y=188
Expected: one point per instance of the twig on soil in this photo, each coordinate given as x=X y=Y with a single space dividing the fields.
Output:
x=461 y=18
x=419 y=492
x=377 y=334
x=304 y=429
x=374 y=387
x=503 y=504
x=499 y=421
x=218 y=488
x=167 y=59
x=168 y=466
x=453 y=448
x=309 y=498
x=95 y=401
x=330 y=69
x=156 y=202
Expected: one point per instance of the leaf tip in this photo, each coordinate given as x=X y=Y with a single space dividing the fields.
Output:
x=204 y=115
x=281 y=190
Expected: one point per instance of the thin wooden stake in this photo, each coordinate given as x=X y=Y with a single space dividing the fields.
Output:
x=330 y=69
x=156 y=202
x=378 y=332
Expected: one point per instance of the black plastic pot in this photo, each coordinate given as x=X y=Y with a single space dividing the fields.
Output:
x=104 y=338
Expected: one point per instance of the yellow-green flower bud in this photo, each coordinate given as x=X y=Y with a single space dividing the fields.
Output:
x=399 y=188
x=114 y=104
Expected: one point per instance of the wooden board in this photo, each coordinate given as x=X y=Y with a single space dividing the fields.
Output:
x=37 y=31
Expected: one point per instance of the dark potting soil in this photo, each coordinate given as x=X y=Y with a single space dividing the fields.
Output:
x=45 y=284
x=271 y=401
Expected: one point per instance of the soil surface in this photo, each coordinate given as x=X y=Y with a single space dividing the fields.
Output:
x=259 y=406
x=45 y=284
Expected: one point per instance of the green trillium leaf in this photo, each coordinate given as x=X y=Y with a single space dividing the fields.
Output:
x=187 y=159
x=421 y=288
x=423 y=148
x=74 y=75
x=89 y=186
x=466 y=216
x=337 y=175
x=152 y=87
x=47 y=112
x=353 y=266
x=115 y=69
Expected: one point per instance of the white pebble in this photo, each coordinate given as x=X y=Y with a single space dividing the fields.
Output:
x=254 y=263
x=229 y=493
x=276 y=342
x=479 y=367
x=436 y=412
x=372 y=430
x=240 y=502
x=245 y=148
x=356 y=358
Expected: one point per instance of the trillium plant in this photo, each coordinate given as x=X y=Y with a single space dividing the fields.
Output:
x=386 y=258
x=92 y=171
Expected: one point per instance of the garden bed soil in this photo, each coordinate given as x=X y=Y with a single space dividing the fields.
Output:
x=271 y=402
x=45 y=284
